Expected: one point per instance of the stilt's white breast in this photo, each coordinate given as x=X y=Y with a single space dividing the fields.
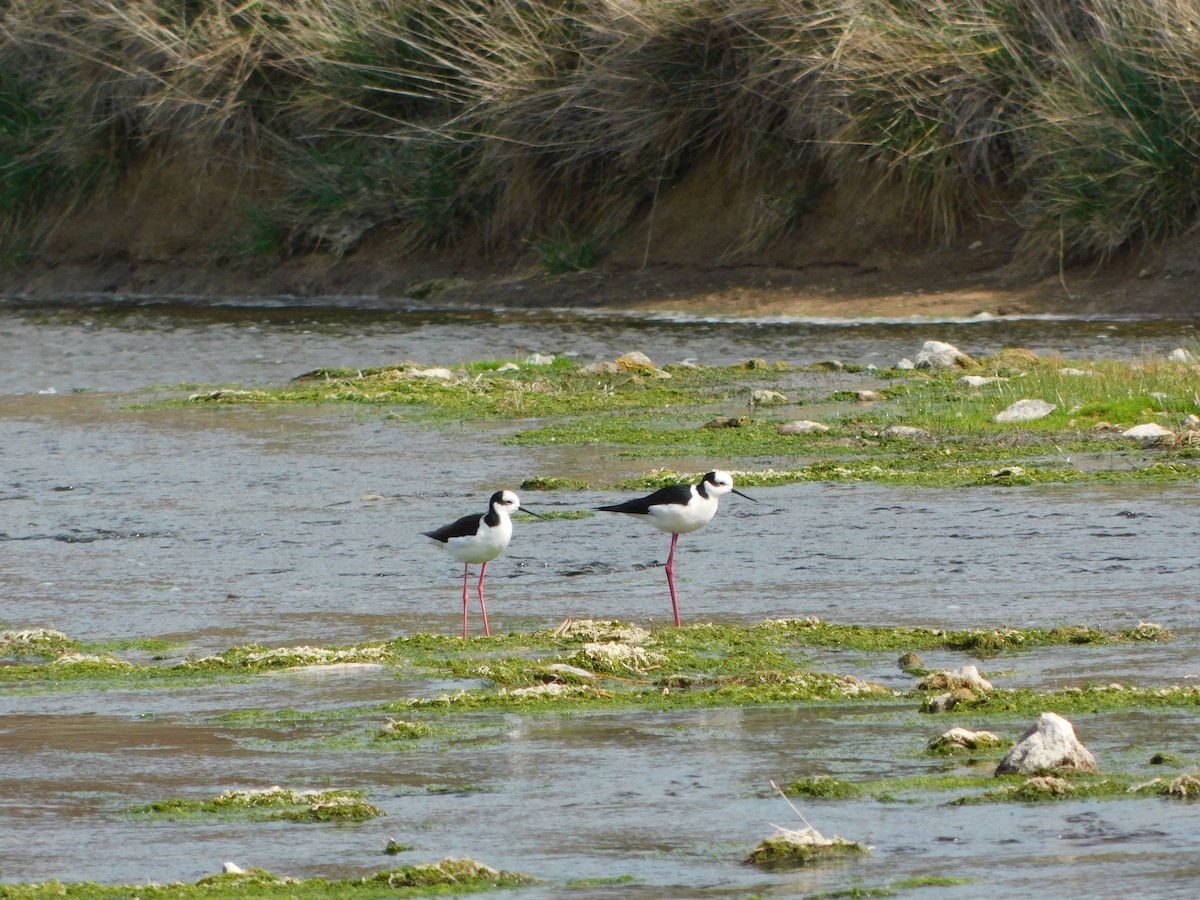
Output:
x=483 y=546
x=679 y=518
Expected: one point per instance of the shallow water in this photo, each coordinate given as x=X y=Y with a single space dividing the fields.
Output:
x=215 y=527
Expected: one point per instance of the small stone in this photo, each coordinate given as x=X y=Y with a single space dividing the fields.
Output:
x=1025 y=411
x=946 y=702
x=509 y=367
x=868 y=396
x=539 y=359
x=639 y=363
x=232 y=868
x=905 y=363
x=979 y=380
x=802 y=426
x=966 y=677
x=959 y=739
x=910 y=660
x=1147 y=431
x=901 y=431
x=1049 y=745
x=441 y=374
x=1070 y=370
x=601 y=368
x=1181 y=355
x=940 y=355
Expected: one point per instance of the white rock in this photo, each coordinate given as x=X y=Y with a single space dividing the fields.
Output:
x=902 y=431
x=965 y=738
x=638 y=362
x=1050 y=744
x=232 y=868
x=509 y=367
x=538 y=359
x=1146 y=430
x=443 y=374
x=970 y=676
x=905 y=363
x=868 y=396
x=939 y=355
x=634 y=359
x=802 y=426
x=1181 y=355
x=979 y=380
x=1070 y=370
x=966 y=677
x=1025 y=411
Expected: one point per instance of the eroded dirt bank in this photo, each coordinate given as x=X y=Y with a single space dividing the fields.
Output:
x=175 y=228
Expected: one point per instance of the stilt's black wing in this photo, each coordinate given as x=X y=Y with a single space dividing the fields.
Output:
x=676 y=493
x=464 y=527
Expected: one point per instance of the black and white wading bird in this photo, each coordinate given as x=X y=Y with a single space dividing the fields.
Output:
x=477 y=540
x=679 y=509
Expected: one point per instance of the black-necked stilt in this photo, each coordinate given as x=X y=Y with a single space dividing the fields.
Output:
x=679 y=509
x=480 y=539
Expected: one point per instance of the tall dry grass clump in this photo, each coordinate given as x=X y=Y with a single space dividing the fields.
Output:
x=503 y=122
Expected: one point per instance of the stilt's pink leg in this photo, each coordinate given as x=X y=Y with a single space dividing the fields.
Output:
x=486 y=631
x=671 y=577
x=466 y=571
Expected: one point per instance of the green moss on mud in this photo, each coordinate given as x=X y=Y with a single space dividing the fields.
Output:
x=274 y=804
x=644 y=416
x=450 y=876
x=588 y=663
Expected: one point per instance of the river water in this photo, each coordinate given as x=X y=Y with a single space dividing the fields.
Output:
x=216 y=527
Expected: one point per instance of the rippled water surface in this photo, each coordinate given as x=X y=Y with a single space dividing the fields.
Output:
x=215 y=527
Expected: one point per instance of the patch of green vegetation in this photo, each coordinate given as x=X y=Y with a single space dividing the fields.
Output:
x=549 y=483
x=399 y=730
x=930 y=881
x=642 y=414
x=450 y=876
x=1100 y=698
x=493 y=390
x=456 y=789
x=36 y=643
x=558 y=256
x=585 y=664
x=1064 y=786
x=977 y=641
x=788 y=849
x=854 y=892
x=822 y=787
x=253 y=657
x=1166 y=759
x=615 y=881
x=274 y=804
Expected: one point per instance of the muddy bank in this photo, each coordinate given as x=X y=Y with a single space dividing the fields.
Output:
x=176 y=228
x=921 y=288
